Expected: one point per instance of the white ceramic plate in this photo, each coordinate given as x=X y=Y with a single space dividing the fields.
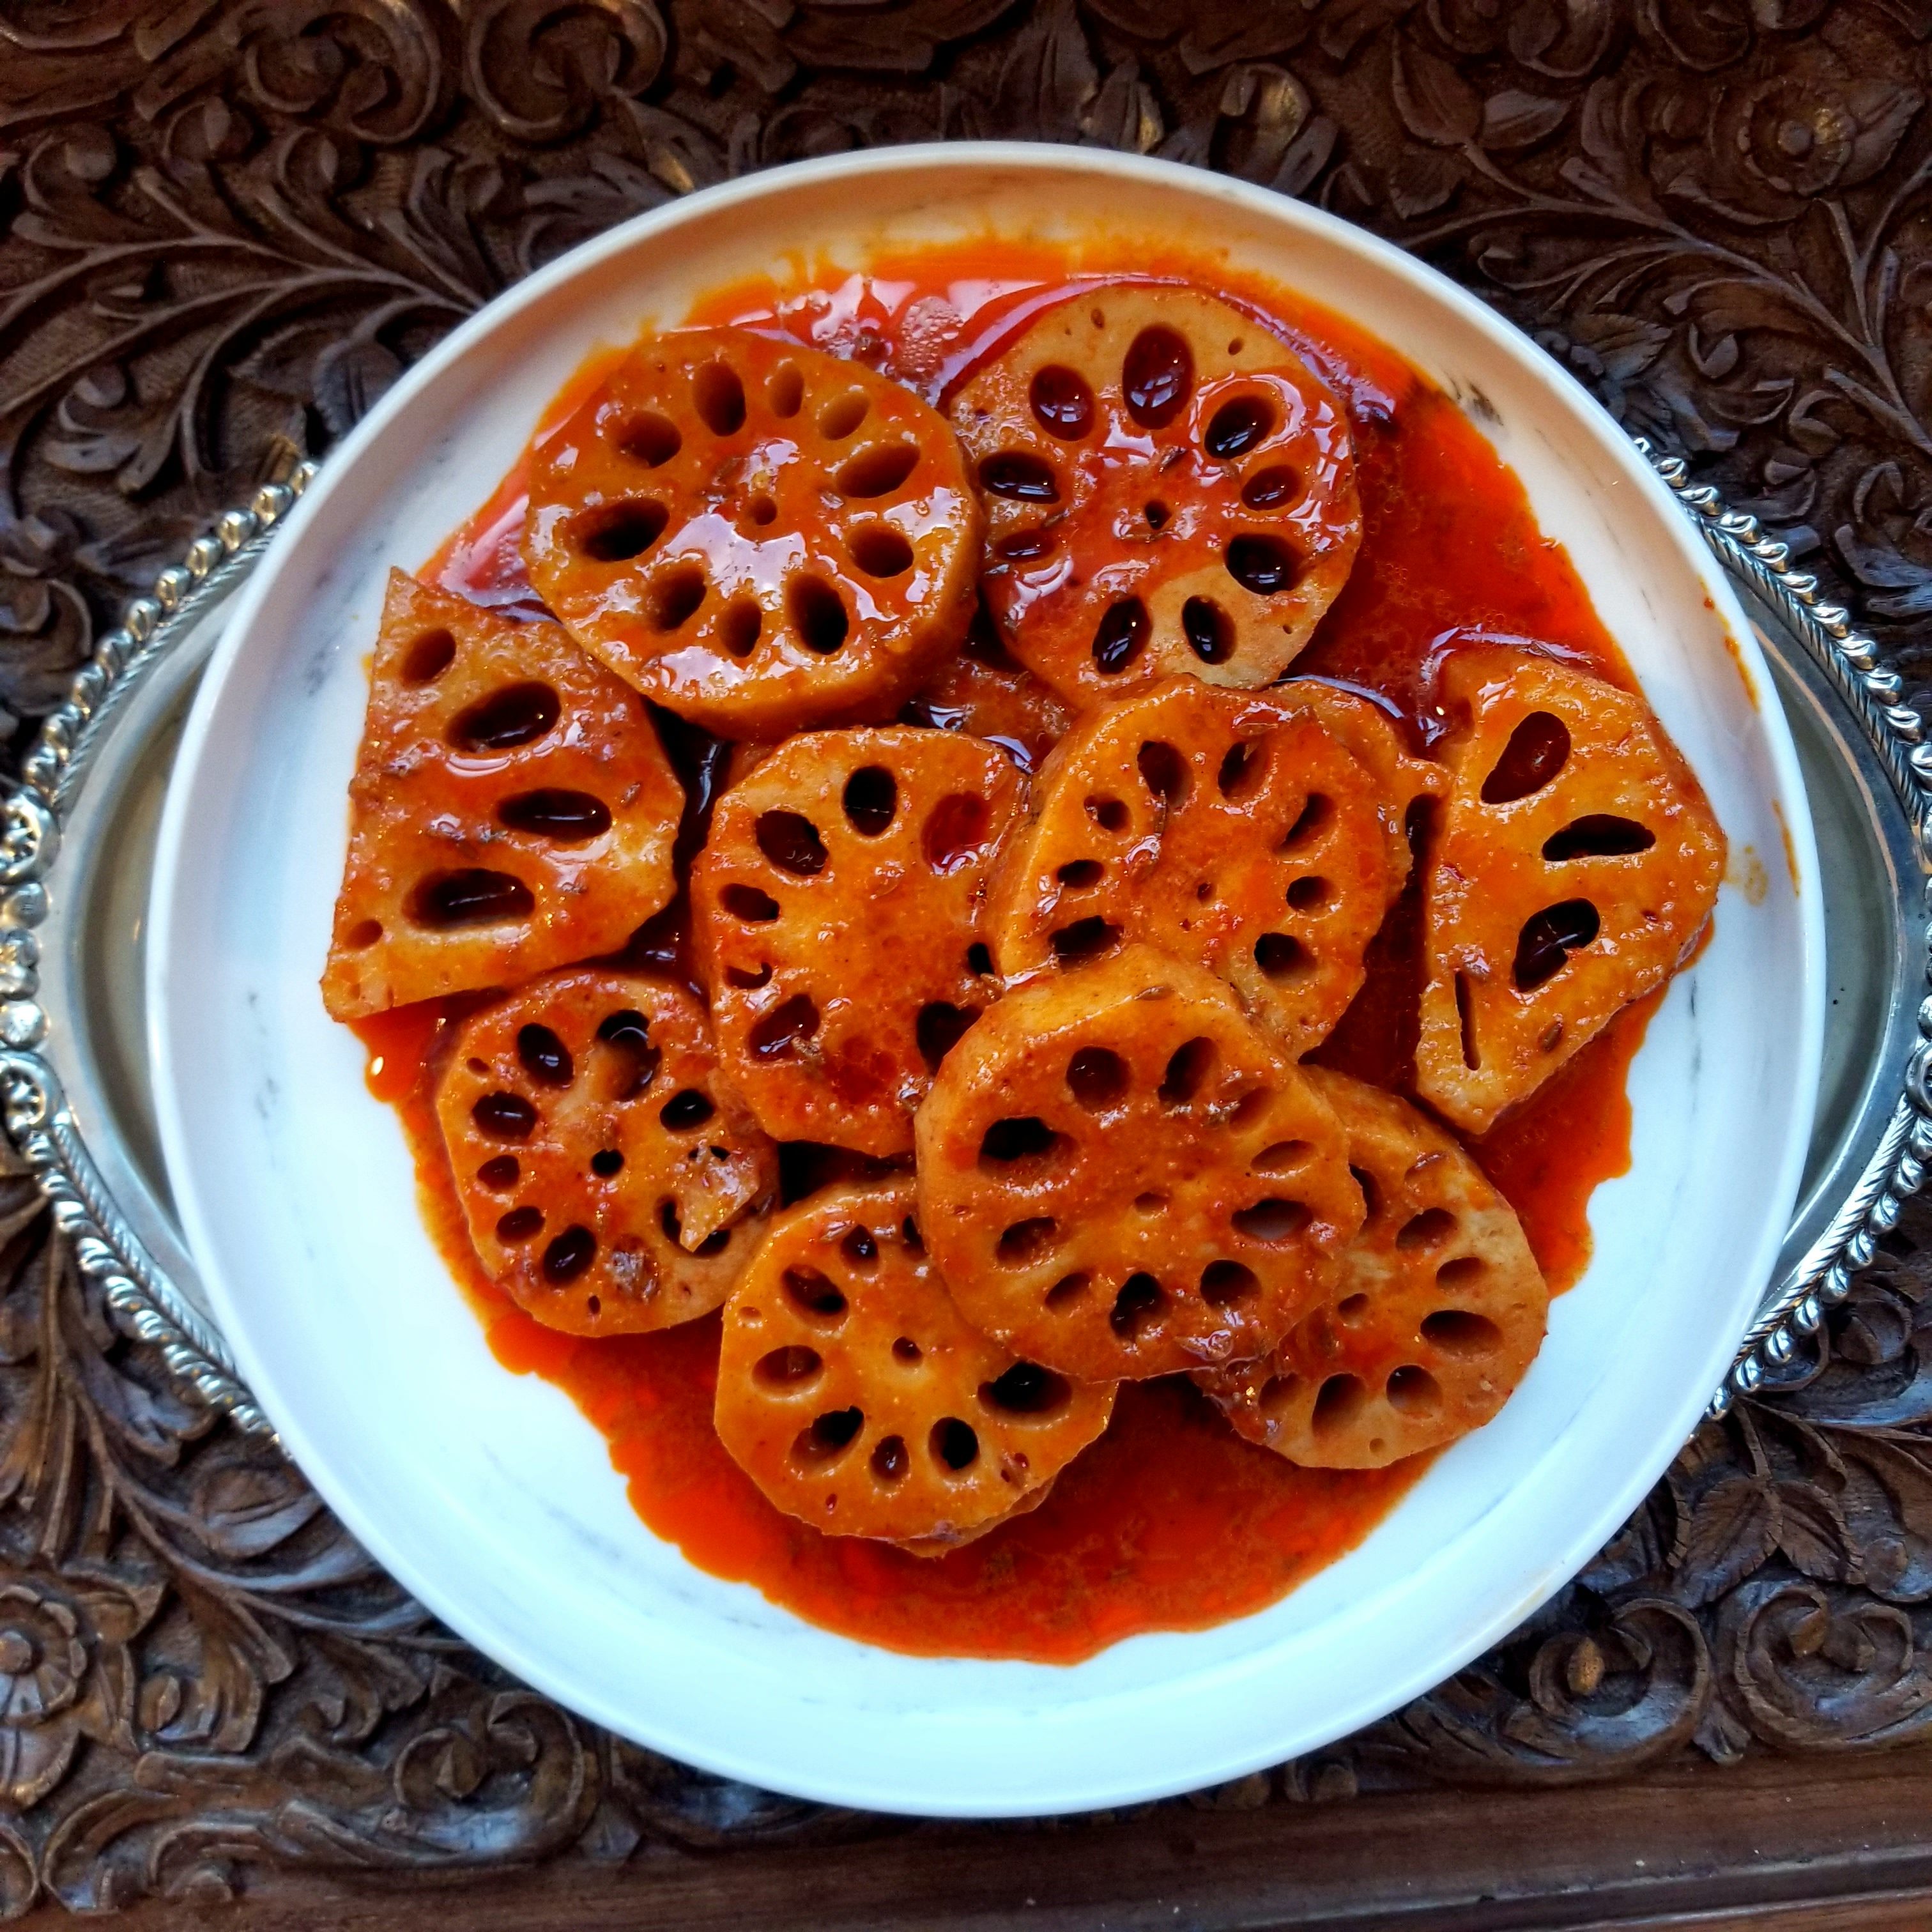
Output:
x=490 y=1497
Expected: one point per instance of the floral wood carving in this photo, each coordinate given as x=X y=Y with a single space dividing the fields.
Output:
x=226 y=225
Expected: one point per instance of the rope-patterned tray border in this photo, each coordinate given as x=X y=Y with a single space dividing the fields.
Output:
x=148 y=1306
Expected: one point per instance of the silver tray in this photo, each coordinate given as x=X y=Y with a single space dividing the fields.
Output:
x=77 y=841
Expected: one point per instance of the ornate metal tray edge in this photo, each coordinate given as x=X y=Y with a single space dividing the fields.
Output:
x=150 y=1307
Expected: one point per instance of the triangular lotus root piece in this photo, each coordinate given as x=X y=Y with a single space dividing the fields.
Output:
x=613 y=1181
x=1575 y=864
x=1119 y=1177
x=853 y=1392
x=759 y=535
x=985 y=691
x=838 y=909
x=512 y=809
x=1217 y=825
x=1169 y=487
x=1439 y=1310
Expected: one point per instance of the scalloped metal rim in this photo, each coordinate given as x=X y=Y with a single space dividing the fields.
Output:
x=147 y=1306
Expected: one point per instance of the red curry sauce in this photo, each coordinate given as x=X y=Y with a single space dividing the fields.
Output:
x=1171 y=1522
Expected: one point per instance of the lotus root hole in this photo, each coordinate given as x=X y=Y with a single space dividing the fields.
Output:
x=1241 y=424
x=1269 y=489
x=1372 y=1192
x=606 y=1162
x=1209 y=630
x=791 y=842
x=1538 y=749
x=1157 y=376
x=1025 y=1241
x=739 y=627
x=1413 y=1391
x=877 y=471
x=499 y=1171
x=1018 y=546
x=616 y=533
x=889 y=1459
x=859 y=1247
x=1272 y=1219
x=1459 y=1332
x=429 y=657
x=646 y=438
x=545 y=1058
x=1249 y=1108
x=1310 y=823
x=979 y=960
x=1242 y=770
x=842 y=415
x=748 y=903
x=1097 y=1077
x=1063 y=404
x=1018 y=477
x=955 y=831
x=684 y=1110
x=1084 y=939
x=909 y=1233
x=1465 y=1271
x=1466 y=1018
x=1308 y=892
x=1548 y=939
x=1026 y=1389
x=627 y=1061
x=1282 y=1157
x=1352 y=1310
x=568 y=817
x=1110 y=814
x=1597 y=834
x=939 y=1028
x=1164 y=771
x=504 y=1117
x=1066 y=1292
x=1282 y=958
x=777 y=1035
x=1278 y=1391
x=787 y=1369
x=363 y=934
x=1150 y=1202
x=1188 y=1068
x=517 y=714
x=473 y=897
x=569 y=1255
x=1137 y=1307
x=593 y=1305
x=718 y=396
x=748 y=978
x=1120 y=635
x=519 y=1224
x=954 y=1444
x=673 y=599
x=1337 y=1405
x=1263 y=565
x=1005 y=1143
x=784 y=390
x=1429 y=1229
x=907 y=1352
x=1078 y=874
x=1157 y=513
x=870 y=799
x=667 y=1219
x=813 y=1295
x=826 y=1438
x=881 y=551
x=1224 y=1282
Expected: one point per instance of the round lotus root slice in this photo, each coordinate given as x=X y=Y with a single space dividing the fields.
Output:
x=1214 y=825
x=758 y=536
x=853 y=1392
x=1574 y=866
x=1439 y=1310
x=838 y=911
x=1169 y=487
x=1119 y=1177
x=613 y=1181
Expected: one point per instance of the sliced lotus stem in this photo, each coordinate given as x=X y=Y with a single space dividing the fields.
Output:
x=1120 y=1176
x=613 y=1181
x=512 y=809
x=1231 y=830
x=853 y=1393
x=1169 y=487
x=839 y=908
x=758 y=535
x=1575 y=864
x=1439 y=1312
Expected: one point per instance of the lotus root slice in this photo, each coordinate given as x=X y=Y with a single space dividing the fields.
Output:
x=1216 y=826
x=612 y=1180
x=1439 y=1310
x=838 y=907
x=756 y=535
x=512 y=809
x=1169 y=488
x=1120 y=1176
x=855 y=1395
x=1575 y=865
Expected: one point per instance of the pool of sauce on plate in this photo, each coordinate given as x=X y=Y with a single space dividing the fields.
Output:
x=1171 y=1522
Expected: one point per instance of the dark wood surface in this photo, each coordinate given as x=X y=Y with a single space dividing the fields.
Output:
x=226 y=225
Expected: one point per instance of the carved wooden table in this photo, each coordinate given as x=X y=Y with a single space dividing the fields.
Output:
x=226 y=225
